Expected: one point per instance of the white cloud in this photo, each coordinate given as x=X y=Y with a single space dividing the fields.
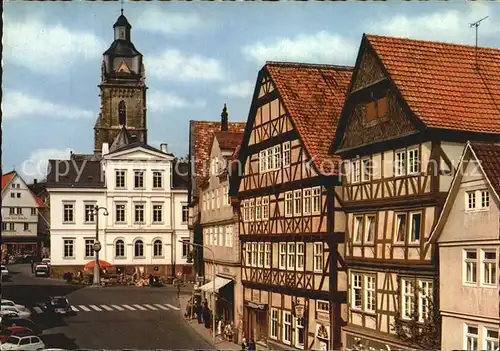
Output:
x=448 y=26
x=153 y=19
x=322 y=47
x=174 y=65
x=47 y=48
x=20 y=105
x=242 y=89
x=36 y=166
x=159 y=101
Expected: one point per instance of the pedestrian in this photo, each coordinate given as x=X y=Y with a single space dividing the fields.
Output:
x=244 y=345
x=251 y=345
x=198 y=311
x=32 y=267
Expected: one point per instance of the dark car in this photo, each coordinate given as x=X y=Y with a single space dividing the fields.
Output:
x=20 y=322
x=58 y=305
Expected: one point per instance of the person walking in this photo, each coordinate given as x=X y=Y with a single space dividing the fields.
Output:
x=32 y=267
x=251 y=345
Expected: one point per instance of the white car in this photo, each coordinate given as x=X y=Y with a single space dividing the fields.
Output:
x=20 y=342
x=5 y=272
x=21 y=312
x=46 y=260
x=11 y=304
x=5 y=313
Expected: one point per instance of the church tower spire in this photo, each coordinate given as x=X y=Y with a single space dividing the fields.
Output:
x=123 y=89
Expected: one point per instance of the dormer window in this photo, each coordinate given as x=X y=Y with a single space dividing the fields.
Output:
x=376 y=109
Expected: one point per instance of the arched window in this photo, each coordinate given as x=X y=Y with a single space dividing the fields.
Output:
x=139 y=248
x=122 y=113
x=157 y=248
x=119 y=248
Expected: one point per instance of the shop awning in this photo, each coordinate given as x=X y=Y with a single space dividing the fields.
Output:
x=219 y=283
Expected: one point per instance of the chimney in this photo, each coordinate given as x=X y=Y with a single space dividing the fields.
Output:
x=105 y=149
x=35 y=181
x=164 y=147
x=224 y=120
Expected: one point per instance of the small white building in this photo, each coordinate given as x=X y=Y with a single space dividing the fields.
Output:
x=144 y=192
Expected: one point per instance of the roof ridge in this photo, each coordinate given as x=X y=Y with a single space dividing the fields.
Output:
x=430 y=41
x=307 y=65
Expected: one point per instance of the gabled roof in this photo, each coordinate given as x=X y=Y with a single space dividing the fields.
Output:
x=489 y=156
x=6 y=178
x=313 y=95
x=443 y=84
x=228 y=140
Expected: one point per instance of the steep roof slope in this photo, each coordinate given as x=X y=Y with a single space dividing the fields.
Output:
x=489 y=156
x=6 y=178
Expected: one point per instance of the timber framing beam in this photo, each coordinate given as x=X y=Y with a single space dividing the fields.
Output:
x=336 y=237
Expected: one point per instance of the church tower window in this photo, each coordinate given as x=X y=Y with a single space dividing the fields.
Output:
x=122 y=113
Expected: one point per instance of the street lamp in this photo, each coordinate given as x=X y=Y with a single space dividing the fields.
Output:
x=213 y=284
x=97 y=244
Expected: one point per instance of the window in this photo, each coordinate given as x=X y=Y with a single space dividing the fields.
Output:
x=265 y=208
x=400 y=163
x=18 y=195
x=120 y=179
x=262 y=161
x=424 y=298
x=471 y=200
x=89 y=247
x=291 y=256
x=358 y=229
x=477 y=200
x=225 y=196
x=89 y=214
x=251 y=210
x=299 y=332
x=297 y=202
x=282 y=263
x=69 y=248
x=277 y=157
x=157 y=248
x=407 y=299
x=26 y=227
x=215 y=235
x=139 y=213
x=267 y=259
x=69 y=213
x=366 y=170
x=322 y=306
x=400 y=227
x=254 y=254
x=318 y=257
x=248 y=247
x=471 y=337
x=485 y=199
x=370 y=293
x=270 y=159
x=185 y=213
x=13 y=185
x=157 y=213
x=261 y=254
x=316 y=200
x=229 y=236
x=415 y=223
x=13 y=195
x=356 y=291
x=19 y=210
x=12 y=227
x=157 y=179
x=470 y=266
x=217 y=198
x=489 y=265
x=370 y=229
x=307 y=202
x=120 y=213
x=274 y=323
x=300 y=256
x=4 y=226
x=356 y=176
x=491 y=340
x=287 y=327
x=288 y=204
x=138 y=248
x=12 y=210
x=258 y=209
x=245 y=210
x=119 y=249
x=213 y=200
x=413 y=161
x=33 y=211
x=139 y=179
x=286 y=154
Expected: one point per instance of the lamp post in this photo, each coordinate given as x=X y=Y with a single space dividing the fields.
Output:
x=97 y=244
x=213 y=284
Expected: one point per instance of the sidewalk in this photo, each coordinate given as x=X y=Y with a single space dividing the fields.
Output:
x=220 y=344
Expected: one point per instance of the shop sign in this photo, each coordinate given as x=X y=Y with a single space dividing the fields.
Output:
x=257 y=306
x=15 y=218
x=323 y=317
x=322 y=332
x=255 y=295
x=299 y=311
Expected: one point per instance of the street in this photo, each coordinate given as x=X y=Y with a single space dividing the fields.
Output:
x=106 y=318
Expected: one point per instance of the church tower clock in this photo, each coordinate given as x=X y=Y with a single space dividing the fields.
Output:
x=123 y=90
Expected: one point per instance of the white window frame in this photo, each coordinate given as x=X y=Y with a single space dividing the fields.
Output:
x=89 y=243
x=159 y=247
x=155 y=212
x=89 y=215
x=489 y=265
x=472 y=337
x=254 y=254
x=413 y=164
x=470 y=265
x=261 y=254
x=265 y=208
x=157 y=178
x=299 y=260
x=258 y=209
x=248 y=248
x=370 y=294
x=282 y=256
x=274 y=322
x=244 y=205
x=318 y=257
x=407 y=298
x=299 y=324
x=217 y=199
x=70 y=210
x=137 y=210
x=490 y=343
x=229 y=236
x=425 y=292
x=251 y=210
x=355 y=172
x=356 y=287
x=120 y=173
x=307 y=201
x=287 y=325
x=470 y=200
x=396 y=227
x=366 y=175
x=263 y=161
x=184 y=211
x=319 y=304
x=215 y=236
x=291 y=256
x=400 y=163
x=139 y=176
x=297 y=202
x=267 y=258
x=213 y=199
x=485 y=199
x=288 y=204
x=316 y=200
x=70 y=243
x=369 y=219
x=225 y=196
x=358 y=229
x=276 y=157
x=411 y=238
x=286 y=154
x=122 y=206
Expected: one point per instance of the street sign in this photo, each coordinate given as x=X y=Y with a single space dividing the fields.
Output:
x=97 y=246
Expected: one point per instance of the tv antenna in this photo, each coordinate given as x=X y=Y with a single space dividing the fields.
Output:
x=476 y=25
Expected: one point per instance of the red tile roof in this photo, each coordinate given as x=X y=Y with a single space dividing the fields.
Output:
x=489 y=156
x=201 y=135
x=229 y=140
x=6 y=178
x=314 y=96
x=442 y=84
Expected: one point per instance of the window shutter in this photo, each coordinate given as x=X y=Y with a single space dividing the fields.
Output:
x=382 y=107
x=370 y=111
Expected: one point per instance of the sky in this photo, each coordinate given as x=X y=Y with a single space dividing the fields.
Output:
x=197 y=56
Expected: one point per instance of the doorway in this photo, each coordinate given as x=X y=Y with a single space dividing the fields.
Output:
x=257 y=325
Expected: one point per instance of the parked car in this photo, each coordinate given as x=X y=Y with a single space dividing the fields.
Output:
x=11 y=304
x=5 y=333
x=23 y=313
x=20 y=322
x=23 y=341
x=58 y=305
x=42 y=270
x=46 y=260
x=5 y=273
x=7 y=314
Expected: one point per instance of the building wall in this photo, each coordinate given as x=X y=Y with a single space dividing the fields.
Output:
x=454 y=329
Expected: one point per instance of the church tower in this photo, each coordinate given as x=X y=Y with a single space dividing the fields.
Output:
x=123 y=90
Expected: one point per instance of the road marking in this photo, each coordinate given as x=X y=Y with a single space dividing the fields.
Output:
x=162 y=307
x=86 y=309
x=117 y=307
x=129 y=307
x=151 y=307
x=74 y=308
x=172 y=307
x=107 y=308
x=95 y=308
x=140 y=307
x=38 y=309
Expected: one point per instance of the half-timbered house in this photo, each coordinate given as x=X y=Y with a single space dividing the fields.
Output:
x=290 y=223
x=411 y=107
